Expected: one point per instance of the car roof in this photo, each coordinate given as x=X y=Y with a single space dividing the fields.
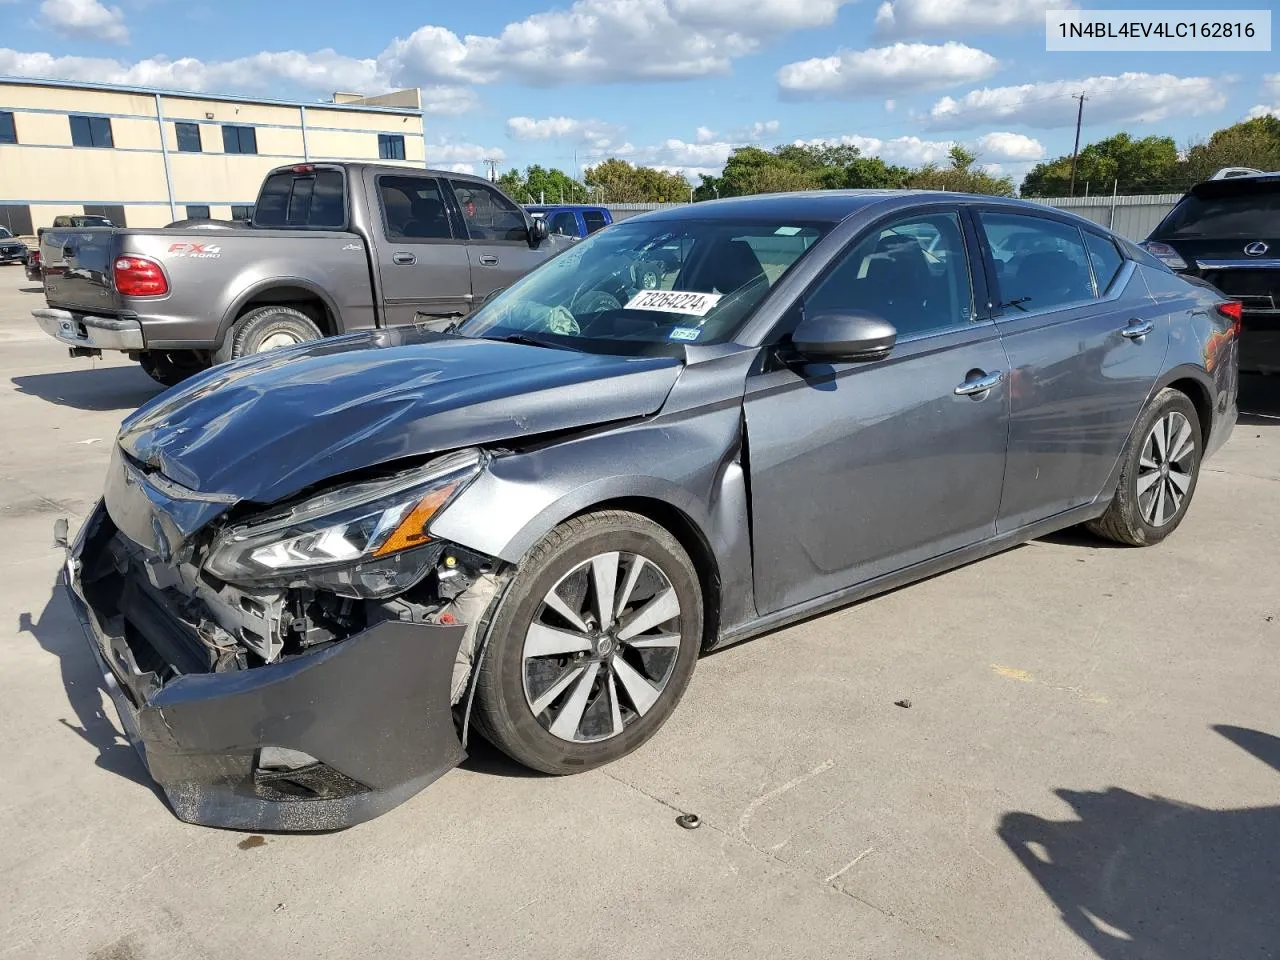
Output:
x=831 y=206
x=1234 y=186
x=562 y=206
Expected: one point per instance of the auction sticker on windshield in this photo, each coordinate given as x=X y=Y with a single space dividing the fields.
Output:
x=674 y=301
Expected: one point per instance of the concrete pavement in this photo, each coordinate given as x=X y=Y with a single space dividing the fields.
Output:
x=1088 y=767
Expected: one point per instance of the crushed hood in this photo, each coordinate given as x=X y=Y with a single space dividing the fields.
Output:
x=263 y=428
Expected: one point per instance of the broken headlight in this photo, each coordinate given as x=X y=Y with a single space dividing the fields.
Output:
x=368 y=539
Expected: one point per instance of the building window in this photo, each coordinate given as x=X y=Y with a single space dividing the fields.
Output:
x=242 y=211
x=239 y=140
x=91 y=131
x=390 y=146
x=188 y=137
x=198 y=211
x=111 y=211
x=8 y=132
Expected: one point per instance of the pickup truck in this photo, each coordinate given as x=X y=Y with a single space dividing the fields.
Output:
x=332 y=247
x=571 y=220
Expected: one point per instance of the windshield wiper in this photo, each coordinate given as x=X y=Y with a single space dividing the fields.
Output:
x=529 y=341
x=1017 y=302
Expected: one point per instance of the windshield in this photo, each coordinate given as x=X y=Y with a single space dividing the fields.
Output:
x=639 y=286
x=1252 y=213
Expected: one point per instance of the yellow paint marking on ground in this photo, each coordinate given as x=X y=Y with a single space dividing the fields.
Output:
x=1024 y=676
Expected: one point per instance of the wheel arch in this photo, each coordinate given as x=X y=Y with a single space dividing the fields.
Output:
x=296 y=292
x=1196 y=385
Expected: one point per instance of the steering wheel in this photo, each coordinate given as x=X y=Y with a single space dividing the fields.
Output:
x=595 y=301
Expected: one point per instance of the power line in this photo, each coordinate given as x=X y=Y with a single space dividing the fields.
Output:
x=492 y=164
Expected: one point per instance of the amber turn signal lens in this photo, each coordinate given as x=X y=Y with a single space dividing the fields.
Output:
x=412 y=530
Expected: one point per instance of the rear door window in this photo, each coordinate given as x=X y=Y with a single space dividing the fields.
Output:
x=413 y=208
x=1040 y=263
x=1105 y=258
x=594 y=220
x=300 y=200
x=563 y=223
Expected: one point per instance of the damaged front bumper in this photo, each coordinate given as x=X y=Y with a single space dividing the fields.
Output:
x=319 y=741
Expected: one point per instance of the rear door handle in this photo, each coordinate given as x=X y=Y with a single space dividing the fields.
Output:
x=1137 y=329
x=403 y=258
x=978 y=383
x=489 y=260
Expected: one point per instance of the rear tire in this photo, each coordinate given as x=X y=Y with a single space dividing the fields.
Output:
x=1159 y=475
x=610 y=689
x=170 y=368
x=266 y=328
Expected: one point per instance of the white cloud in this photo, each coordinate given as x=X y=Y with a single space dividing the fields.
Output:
x=606 y=40
x=890 y=105
x=898 y=68
x=1270 y=91
x=756 y=131
x=443 y=100
x=84 y=20
x=1012 y=147
x=461 y=167
x=704 y=135
x=449 y=155
x=1048 y=105
x=948 y=18
x=594 y=133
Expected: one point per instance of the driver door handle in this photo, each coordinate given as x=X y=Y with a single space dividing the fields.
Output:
x=1137 y=329
x=403 y=259
x=489 y=260
x=978 y=385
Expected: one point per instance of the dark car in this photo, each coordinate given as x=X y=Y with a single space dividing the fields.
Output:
x=313 y=571
x=1227 y=231
x=12 y=250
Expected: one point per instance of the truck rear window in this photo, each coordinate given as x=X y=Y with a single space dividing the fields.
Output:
x=1224 y=212
x=302 y=200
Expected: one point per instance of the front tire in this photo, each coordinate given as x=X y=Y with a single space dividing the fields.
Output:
x=593 y=644
x=267 y=328
x=1159 y=475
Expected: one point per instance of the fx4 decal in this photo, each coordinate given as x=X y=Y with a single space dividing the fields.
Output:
x=195 y=251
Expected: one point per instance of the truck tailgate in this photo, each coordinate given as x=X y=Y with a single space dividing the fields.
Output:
x=77 y=262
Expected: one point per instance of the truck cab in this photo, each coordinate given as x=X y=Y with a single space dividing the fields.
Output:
x=571 y=220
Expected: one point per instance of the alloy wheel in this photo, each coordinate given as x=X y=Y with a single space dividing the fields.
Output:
x=1165 y=469
x=601 y=647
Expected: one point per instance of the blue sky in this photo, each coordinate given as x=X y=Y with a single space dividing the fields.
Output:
x=674 y=83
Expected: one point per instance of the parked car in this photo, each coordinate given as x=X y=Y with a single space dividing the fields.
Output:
x=33 y=266
x=333 y=247
x=572 y=220
x=1227 y=232
x=314 y=571
x=12 y=250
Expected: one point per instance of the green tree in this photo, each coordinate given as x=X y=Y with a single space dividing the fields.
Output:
x=1253 y=143
x=620 y=182
x=799 y=167
x=959 y=176
x=1148 y=165
x=537 y=183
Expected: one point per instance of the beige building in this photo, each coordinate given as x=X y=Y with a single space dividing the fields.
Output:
x=144 y=158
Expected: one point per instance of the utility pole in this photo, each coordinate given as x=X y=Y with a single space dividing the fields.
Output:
x=493 y=169
x=1075 y=153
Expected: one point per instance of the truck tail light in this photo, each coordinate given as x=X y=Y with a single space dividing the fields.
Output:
x=304 y=168
x=1233 y=310
x=139 y=277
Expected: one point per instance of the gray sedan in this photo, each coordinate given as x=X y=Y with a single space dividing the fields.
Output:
x=316 y=572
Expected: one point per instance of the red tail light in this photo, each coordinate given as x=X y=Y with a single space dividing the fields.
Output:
x=34 y=257
x=139 y=277
x=1233 y=310
x=305 y=168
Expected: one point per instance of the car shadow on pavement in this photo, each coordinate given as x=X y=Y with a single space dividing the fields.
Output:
x=58 y=631
x=102 y=388
x=1148 y=878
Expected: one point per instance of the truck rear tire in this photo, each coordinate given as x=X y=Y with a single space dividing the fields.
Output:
x=266 y=328
x=170 y=368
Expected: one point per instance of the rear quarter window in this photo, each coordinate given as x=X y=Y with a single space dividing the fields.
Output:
x=292 y=200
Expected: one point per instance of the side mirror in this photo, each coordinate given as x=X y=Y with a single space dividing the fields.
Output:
x=537 y=231
x=843 y=337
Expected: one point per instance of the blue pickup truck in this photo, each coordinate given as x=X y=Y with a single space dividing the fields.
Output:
x=571 y=220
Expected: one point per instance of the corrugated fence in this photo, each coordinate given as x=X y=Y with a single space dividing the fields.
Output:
x=1132 y=217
